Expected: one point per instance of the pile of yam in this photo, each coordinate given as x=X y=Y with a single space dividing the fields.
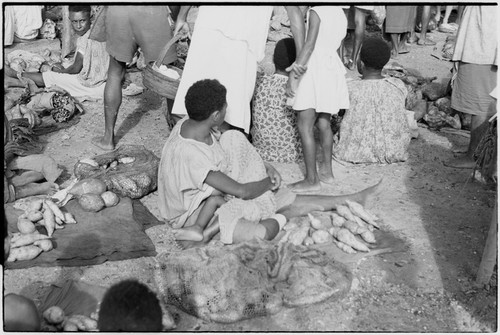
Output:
x=350 y=228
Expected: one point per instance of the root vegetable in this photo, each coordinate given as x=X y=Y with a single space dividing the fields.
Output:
x=35 y=205
x=126 y=160
x=69 y=326
x=25 y=226
x=27 y=239
x=113 y=164
x=315 y=223
x=45 y=245
x=321 y=236
x=308 y=241
x=34 y=215
x=297 y=236
x=89 y=161
x=363 y=224
x=344 y=247
x=54 y=315
x=24 y=253
x=290 y=226
x=69 y=218
x=58 y=221
x=58 y=226
x=368 y=237
x=49 y=221
x=354 y=228
x=357 y=209
x=55 y=209
x=345 y=212
x=337 y=220
x=345 y=236
x=83 y=323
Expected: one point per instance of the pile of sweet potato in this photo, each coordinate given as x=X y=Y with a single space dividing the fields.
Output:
x=350 y=227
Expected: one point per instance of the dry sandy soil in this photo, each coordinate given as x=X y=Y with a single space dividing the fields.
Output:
x=441 y=214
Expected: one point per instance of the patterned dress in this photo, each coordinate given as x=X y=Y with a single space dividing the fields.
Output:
x=274 y=125
x=375 y=128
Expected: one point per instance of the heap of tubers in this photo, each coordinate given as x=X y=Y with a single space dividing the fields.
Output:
x=92 y=195
x=55 y=317
x=341 y=228
x=28 y=243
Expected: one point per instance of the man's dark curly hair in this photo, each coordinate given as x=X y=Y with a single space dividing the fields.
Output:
x=130 y=306
x=375 y=53
x=203 y=98
x=77 y=9
x=284 y=53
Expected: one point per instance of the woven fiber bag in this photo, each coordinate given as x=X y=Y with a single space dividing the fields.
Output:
x=129 y=171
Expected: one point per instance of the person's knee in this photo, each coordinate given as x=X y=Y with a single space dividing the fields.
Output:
x=215 y=201
x=20 y=314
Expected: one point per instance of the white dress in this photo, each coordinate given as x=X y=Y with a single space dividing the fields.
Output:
x=227 y=43
x=324 y=87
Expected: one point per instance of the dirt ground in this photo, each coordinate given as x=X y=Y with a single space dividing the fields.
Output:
x=442 y=215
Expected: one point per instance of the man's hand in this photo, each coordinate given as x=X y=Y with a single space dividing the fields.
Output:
x=274 y=175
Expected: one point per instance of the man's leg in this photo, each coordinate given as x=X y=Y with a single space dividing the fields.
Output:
x=426 y=16
x=359 y=34
x=112 y=102
x=479 y=125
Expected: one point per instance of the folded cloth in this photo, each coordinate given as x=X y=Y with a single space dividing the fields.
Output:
x=114 y=233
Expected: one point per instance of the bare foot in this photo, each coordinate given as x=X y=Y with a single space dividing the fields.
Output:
x=102 y=144
x=394 y=54
x=30 y=189
x=188 y=234
x=326 y=176
x=184 y=245
x=304 y=186
x=464 y=162
x=403 y=49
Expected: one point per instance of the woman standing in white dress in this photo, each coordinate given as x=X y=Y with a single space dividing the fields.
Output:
x=320 y=92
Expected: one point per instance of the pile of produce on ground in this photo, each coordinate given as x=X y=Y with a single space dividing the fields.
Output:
x=56 y=320
x=129 y=171
x=341 y=228
x=439 y=113
x=28 y=243
x=92 y=195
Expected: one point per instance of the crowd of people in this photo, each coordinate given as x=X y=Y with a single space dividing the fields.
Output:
x=233 y=123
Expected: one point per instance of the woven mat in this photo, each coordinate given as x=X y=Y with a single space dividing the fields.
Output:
x=114 y=233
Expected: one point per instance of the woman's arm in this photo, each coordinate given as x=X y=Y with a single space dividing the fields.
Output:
x=75 y=68
x=312 y=34
x=227 y=185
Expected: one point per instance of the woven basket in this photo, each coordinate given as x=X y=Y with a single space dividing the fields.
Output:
x=156 y=81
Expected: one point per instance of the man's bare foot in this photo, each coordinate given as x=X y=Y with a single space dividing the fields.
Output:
x=188 y=234
x=464 y=162
x=394 y=54
x=304 y=186
x=326 y=176
x=102 y=144
x=184 y=245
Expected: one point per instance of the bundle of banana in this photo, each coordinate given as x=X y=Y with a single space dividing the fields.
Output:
x=341 y=227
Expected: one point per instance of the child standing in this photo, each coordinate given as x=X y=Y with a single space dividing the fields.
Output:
x=375 y=129
x=321 y=92
x=274 y=124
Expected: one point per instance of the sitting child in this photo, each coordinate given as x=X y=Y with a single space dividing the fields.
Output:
x=87 y=75
x=274 y=124
x=209 y=182
x=22 y=23
x=375 y=129
x=130 y=306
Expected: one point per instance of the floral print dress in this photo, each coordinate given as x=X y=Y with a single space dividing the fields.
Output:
x=375 y=129
x=274 y=125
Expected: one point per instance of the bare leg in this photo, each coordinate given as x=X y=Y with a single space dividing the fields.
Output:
x=26 y=178
x=112 y=102
x=437 y=17
x=326 y=139
x=306 y=120
x=359 y=34
x=447 y=14
x=15 y=82
x=304 y=204
x=479 y=125
x=30 y=189
x=426 y=16
x=395 y=46
x=195 y=232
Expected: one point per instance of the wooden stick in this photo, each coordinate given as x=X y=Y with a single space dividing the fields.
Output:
x=489 y=258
